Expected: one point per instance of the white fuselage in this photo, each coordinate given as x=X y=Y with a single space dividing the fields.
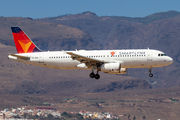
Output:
x=131 y=58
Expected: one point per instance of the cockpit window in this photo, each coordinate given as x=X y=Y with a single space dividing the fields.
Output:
x=161 y=54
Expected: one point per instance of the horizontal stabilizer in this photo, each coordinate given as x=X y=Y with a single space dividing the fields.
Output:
x=20 y=57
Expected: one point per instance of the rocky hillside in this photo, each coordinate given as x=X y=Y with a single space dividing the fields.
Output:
x=122 y=85
x=23 y=79
x=89 y=31
x=159 y=31
x=47 y=36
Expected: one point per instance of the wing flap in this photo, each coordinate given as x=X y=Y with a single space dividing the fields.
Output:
x=83 y=59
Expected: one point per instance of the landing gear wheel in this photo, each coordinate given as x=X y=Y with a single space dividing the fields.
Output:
x=150 y=75
x=92 y=75
x=97 y=76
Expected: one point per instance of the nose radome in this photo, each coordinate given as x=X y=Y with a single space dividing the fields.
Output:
x=170 y=60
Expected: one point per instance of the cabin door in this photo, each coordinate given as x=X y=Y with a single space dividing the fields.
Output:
x=149 y=56
x=41 y=58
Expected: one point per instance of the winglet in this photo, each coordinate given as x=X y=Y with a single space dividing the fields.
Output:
x=23 y=42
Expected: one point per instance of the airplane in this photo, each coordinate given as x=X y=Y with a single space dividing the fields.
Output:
x=107 y=61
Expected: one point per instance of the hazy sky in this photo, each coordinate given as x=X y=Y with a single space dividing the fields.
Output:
x=52 y=8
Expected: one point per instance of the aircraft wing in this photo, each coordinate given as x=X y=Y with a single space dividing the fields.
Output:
x=84 y=59
x=19 y=56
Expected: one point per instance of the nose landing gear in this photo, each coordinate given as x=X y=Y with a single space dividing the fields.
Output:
x=150 y=74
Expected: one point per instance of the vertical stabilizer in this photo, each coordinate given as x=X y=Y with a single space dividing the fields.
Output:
x=23 y=42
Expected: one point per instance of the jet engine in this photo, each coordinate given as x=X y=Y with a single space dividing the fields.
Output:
x=113 y=68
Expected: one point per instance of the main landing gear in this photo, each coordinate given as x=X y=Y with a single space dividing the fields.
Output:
x=150 y=74
x=92 y=75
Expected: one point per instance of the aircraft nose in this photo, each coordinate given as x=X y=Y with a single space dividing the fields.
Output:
x=169 y=60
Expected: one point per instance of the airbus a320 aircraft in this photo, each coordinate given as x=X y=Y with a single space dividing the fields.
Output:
x=108 y=61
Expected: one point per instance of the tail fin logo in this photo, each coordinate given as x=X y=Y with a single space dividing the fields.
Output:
x=25 y=46
x=23 y=42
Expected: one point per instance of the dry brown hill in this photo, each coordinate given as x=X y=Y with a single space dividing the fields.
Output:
x=159 y=31
x=19 y=78
x=23 y=79
x=32 y=85
x=107 y=32
x=47 y=36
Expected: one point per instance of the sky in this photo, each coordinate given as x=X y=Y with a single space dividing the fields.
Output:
x=52 y=8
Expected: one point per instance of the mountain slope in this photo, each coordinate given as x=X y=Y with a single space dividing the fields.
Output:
x=159 y=31
x=23 y=79
x=107 y=33
x=47 y=36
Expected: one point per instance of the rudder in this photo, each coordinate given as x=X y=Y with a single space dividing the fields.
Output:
x=23 y=42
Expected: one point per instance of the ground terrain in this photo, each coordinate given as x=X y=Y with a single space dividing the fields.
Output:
x=152 y=104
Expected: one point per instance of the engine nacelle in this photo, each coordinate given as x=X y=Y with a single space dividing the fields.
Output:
x=123 y=71
x=113 y=68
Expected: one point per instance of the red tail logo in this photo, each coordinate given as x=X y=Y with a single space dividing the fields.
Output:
x=23 y=42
